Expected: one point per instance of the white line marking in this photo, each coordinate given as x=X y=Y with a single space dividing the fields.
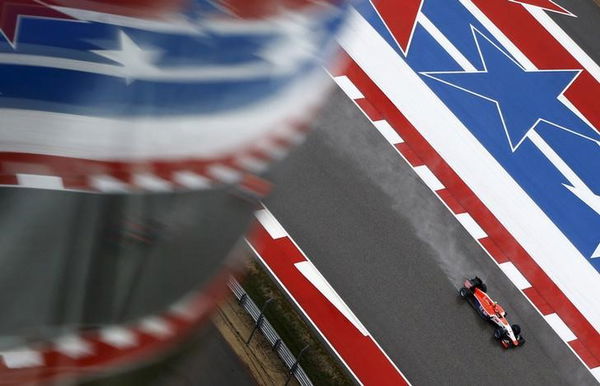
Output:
x=560 y=327
x=108 y=184
x=184 y=308
x=270 y=223
x=156 y=326
x=348 y=87
x=252 y=164
x=152 y=182
x=429 y=178
x=39 y=181
x=118 y=337
x=565 y=40
x=388 y=132
x=496 y=189
x=514 y=275
x=596 y=252
x=20 y=358
x=596 y=373
x=312 y=274
x=471 y=226
x=191 y=180
x=499 y=35
x=445 y=43
x=73 y=346
x=225 y=174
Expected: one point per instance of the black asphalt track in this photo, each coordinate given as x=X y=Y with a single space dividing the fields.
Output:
x=396 y=255
x=583 y=29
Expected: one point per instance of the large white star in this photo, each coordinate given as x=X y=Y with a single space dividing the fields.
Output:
x=135 y=61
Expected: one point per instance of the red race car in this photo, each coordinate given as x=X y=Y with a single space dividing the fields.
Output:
x=474 y=292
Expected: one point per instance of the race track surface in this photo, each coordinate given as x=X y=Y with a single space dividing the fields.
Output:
x=397 y=256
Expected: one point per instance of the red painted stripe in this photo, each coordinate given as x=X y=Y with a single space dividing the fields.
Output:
x=480 y=213
x=409 y=154
x=544 y=51
x=449 y=200
x=368 y=109
x=584 y=353
x=546 y=4
x=492 y=248
x=538 y=300
x=359 y=352
x=400 y=18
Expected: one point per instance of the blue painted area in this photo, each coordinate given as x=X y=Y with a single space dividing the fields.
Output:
x=524 y=98
x=59 y=65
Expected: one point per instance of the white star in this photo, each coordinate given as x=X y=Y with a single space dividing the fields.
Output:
x=135 y=60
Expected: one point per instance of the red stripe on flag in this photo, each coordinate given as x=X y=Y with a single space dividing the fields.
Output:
x=400 y=18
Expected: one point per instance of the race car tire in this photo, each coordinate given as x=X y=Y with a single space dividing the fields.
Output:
x=521 y=340
x=478 y=283
x=516 y=329
x=463 y=292
x=498 y=333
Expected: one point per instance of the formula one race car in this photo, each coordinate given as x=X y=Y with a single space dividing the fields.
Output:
x=474 y=292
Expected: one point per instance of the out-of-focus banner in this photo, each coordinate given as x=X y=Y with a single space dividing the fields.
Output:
x=125 y=127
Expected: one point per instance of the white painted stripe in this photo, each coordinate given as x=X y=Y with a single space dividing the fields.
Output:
x=73 y=346
x=497 y=190
x=152 y=182
x=270 y=223
x=514 y=275
x=348 y=87
x=565 y=40
x=312 y=274
x=499 y=35
x=471 y=226
x=191 y=180
x=388 y=132
x=108 y=184
x=156 y=326
x=118 y=337
x=253 y=164
x=39 y=181
x=596 y=373
x=445 y=43
x=560 y=327
x=21 y=358
x=225 y=174
x=429 y=178
x=596 y=252
x=184 y=308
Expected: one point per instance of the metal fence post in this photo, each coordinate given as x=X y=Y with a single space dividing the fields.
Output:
x=259 y=320
x=292 y=371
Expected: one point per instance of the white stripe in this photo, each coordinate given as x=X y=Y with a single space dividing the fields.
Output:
x=514 y=275
x=184 y=308
x=191 y=180
x=253 y=164
x=515 y=210
x=224 y=173
x=73 y=346
x=348 y=87
x=429 y=178
x=445 y=43
x=39 y=181
x=596 y=373
x=499 y=35
x=560 y=327
x=199 y=136
x=118 y=337
x=471 y=226
x=109 y=184
x=565 y=40
x=271 y=225
x=388 y=132
x=596 y=252
x=152 y=182
x=21 y=358
x=156 y=326
x=312 y=274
